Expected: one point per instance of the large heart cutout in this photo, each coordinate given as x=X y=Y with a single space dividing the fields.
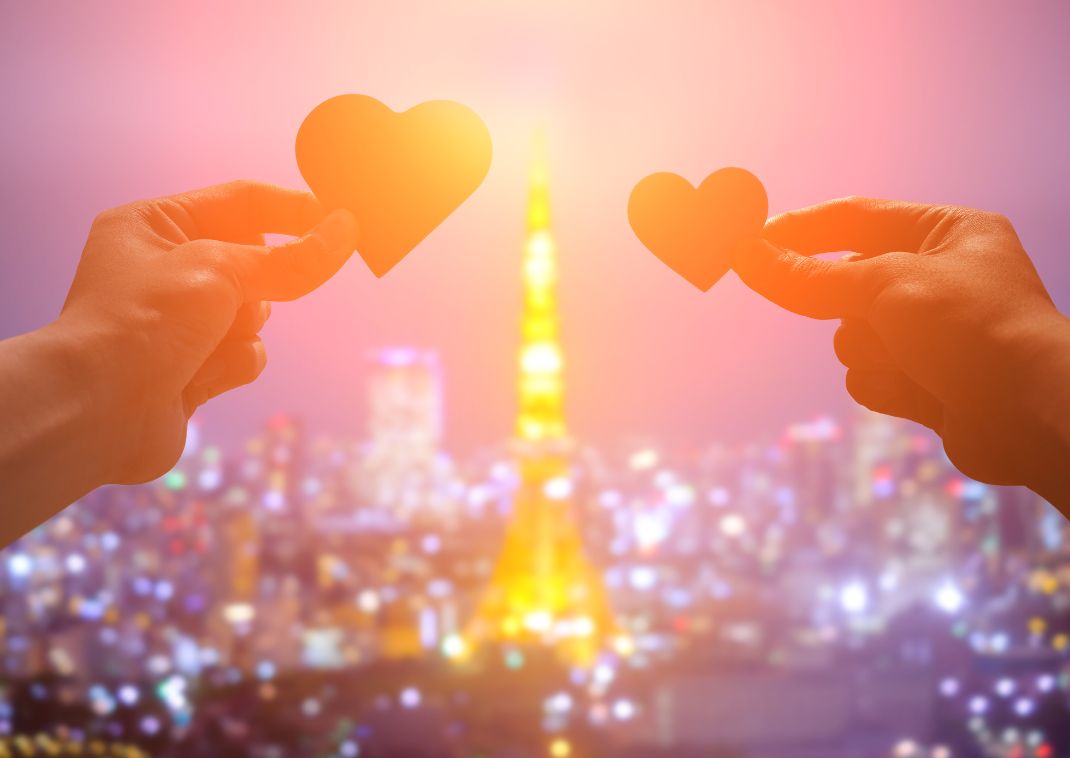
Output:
x=400 y=174
x=694 y=231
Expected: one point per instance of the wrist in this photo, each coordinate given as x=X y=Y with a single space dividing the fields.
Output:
x=1045 y=394
x=90 y=358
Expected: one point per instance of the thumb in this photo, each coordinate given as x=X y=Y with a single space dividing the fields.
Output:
x=293 y=269
x=808 y=286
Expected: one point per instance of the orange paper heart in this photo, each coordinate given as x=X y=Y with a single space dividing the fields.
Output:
x=401 y=174
x=694 y=231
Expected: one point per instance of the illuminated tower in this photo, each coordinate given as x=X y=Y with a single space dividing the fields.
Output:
x=543 y=590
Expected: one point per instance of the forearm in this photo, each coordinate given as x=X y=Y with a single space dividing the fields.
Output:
x=53 y=439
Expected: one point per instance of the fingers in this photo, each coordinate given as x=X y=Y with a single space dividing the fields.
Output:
x=874 y=381
x=286 y=272
x=233 y=364
x=894 y=394
x=864 y=225
x=237 y=360
x=858 y=346
x=807 y=286
x=242 y=211
x=249 y=320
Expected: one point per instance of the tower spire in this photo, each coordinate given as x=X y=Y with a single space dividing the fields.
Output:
x=541 y=414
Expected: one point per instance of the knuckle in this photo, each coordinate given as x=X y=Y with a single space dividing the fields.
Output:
x=955 y=212
x=245 y=192
x=207 y=256
x=240 y=187
x=853 y=204
x=208 y=268
x=982 y=222
x=945 y=220
x=997 y=222
x=843 y=202
x=112 y=216
x=995 y=218
x=841 y=207
x=851 y=211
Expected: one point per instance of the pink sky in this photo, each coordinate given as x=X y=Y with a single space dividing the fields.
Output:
x=960 y=103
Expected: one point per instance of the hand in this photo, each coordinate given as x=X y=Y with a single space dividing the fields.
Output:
x=172 y=293
x=945 y=322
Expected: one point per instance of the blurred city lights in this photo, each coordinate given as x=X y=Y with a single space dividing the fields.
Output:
x=949 y=687
x=560 y=748
x=906 y=749
x=949 y=598
x=623 y=709
x=559 y=488
x=75 y=563
x=454 y=646
x=644 y=460
x=1004 y=687
x=854 y=597
x=128 y=694
x=19 y=565
x=559 y=703
x=180 y=597
x=733 y=525
x=978 y=704
x=410 y=697
x=368 y=601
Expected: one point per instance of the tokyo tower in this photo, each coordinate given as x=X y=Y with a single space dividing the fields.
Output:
x=543 y=590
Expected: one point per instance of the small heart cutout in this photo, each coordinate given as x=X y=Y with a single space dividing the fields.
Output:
x=400 y=174
x=694 y=231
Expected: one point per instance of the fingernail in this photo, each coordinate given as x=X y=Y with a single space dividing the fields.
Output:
x=339 y=230
x=261 y=355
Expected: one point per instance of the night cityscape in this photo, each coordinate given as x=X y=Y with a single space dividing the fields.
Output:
x=838 y=592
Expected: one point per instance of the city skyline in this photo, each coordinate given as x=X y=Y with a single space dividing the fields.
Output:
x=267 y=571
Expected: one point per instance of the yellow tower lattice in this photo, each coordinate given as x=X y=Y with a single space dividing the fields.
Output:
x=543 y=590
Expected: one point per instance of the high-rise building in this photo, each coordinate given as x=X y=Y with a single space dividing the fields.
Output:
x=404 y=461
x=405 y=399
x=240 y=565
x=543 y=589
x=284 y=517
